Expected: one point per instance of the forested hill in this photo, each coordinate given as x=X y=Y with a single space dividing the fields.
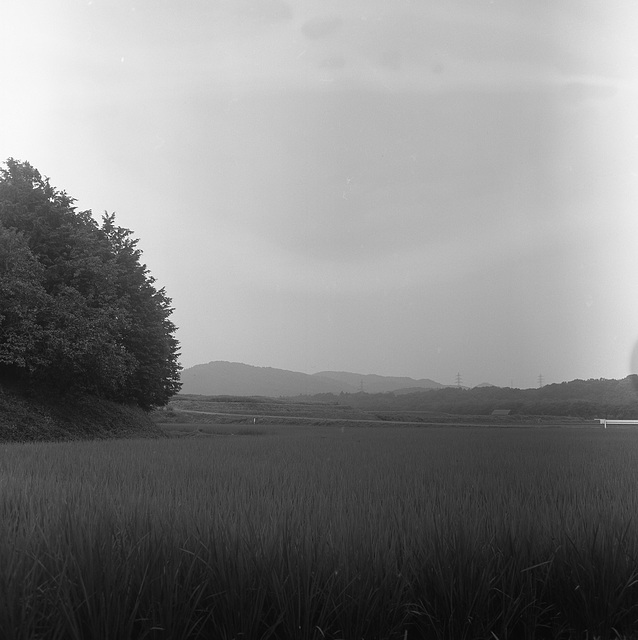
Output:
x=579 y=398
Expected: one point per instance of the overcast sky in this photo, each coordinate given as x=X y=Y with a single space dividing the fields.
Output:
x=405 y=187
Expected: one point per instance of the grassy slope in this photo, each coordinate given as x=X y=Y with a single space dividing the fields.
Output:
x=32 y=418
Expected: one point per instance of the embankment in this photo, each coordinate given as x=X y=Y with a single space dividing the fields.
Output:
x=30 y=417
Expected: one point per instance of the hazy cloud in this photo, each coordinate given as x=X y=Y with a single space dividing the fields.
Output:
x=272 y=10
x=334 y=63
x=391 y=60
x=581 y=91
x=437 y=67
x=321 y=27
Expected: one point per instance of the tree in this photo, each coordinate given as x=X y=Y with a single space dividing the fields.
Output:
x=150 y=333
x=79 y=312
x=22 y=297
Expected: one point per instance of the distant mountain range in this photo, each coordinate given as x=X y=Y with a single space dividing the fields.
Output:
x=236 y=379
x=587 y=399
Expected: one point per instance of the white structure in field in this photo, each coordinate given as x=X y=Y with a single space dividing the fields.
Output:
x=605 y=422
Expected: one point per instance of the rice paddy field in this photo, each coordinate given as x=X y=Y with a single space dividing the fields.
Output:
x=295 y=533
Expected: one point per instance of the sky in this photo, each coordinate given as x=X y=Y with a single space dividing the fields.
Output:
x=417 y=188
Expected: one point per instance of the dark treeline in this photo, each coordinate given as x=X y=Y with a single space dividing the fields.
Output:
x=600 y=398
x=79 y=311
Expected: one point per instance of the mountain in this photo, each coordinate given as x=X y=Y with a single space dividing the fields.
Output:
x=233 y=378
x=379 y=384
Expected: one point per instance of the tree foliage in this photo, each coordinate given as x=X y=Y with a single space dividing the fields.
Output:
x=588 y=399
x=79 y=311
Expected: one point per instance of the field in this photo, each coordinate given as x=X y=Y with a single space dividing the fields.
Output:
x=326 y=532
x=264 y=411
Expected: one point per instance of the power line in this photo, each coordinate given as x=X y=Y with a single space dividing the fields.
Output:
x=458 y=380
x=540 y=380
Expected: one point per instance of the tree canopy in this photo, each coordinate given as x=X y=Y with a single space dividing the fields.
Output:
x=79 y=311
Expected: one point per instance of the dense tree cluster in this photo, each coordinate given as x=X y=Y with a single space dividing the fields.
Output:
x=579 y=398
x=79 y=312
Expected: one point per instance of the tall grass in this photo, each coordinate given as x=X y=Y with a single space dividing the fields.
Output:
x=323 y=533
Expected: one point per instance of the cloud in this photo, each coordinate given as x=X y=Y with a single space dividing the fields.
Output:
x=452 y=259
x=391 y=60
x=272 y=11
x=577 y=92
x=333 y=63
x=344 y=181
x=318 y=28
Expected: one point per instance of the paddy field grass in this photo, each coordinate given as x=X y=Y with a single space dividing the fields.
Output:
x=297 y=533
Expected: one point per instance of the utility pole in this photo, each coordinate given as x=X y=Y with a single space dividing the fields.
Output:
x=540 y=380
x=458 y=380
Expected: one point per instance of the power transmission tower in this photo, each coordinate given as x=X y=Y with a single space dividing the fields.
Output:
x=458 y=380
x=540 y=380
